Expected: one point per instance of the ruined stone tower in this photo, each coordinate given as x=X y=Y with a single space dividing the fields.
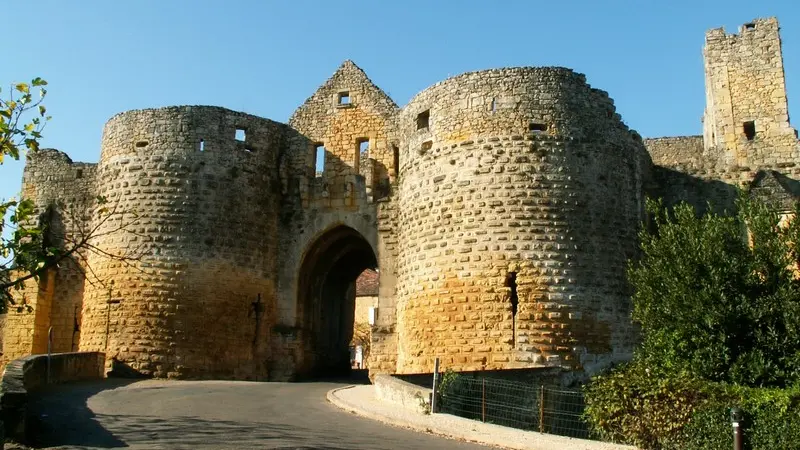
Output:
x=746 y=108
x=500 y=208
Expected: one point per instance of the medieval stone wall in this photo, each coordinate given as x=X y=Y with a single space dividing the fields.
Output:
x=51 y=177
x=524 y=173
x=202 y=212
x=745 y=85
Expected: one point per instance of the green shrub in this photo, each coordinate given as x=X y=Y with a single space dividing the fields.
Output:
x=636 y=406
x=652 y=411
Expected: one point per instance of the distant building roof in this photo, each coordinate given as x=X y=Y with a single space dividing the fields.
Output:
x=367 y=284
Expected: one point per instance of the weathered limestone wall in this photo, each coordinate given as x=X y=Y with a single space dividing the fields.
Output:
x=745 y=83
x=204 y=209
x=318 y=212
x=521 y=172
x=51 y=177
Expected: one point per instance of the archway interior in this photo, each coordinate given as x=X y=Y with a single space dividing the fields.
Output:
x=327 y=299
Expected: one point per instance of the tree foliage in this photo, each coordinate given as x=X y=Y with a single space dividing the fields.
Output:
x=717 y=296
x=27 y=246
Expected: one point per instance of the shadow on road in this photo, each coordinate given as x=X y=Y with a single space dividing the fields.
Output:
x=60 y=416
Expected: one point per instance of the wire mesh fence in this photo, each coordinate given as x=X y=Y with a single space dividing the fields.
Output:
x=514 y=404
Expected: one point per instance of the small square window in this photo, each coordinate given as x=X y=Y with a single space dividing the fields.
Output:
x=241 y=135
x=423 y=119
x=343 y=99
x=749 y=130
x=750 y=26
x=536 y=127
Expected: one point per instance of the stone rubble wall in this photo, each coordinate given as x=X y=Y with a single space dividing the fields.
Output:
x=203 y=225
x=745 y=82
x=487 y=196
x=51 y=177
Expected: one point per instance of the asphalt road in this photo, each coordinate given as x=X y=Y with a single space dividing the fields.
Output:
x=212 y=415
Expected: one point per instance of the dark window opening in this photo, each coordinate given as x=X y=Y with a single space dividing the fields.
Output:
x=343 y=98
x=240 y=134
x=202 y=145
x=141 y=144
x=511 y=283
x=423 y=119
x=396 y=162
x=249 y=149
x=537 y=127
x=750 y=130
x=319 y=159
x=750 y=26
x=79 y=173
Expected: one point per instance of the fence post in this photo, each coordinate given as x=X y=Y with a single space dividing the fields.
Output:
x=483 y=399
x=434 y=403
x=541 y=409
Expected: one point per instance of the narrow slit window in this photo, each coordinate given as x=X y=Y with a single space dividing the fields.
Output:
x=396 y=162
x=423 y=119
x=319 y=159
x=249 y=149
x=537 y=127
x=493 y=106
x=513 y=297
x=750 y=130
x=141 y=144
x=202 y=145
x=343 y=98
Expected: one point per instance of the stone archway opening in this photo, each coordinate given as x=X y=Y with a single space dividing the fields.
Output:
x=326 y=300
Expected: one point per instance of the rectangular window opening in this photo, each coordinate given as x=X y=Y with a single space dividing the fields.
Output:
x=749 y=130
x=493 y=106
x=750 y=26
x=240 y=134
x=319 y=159
x=363 y=147
x=79 y=173
x=423 y=119
x=537 y=127
x=343 y=98
x=202 y=145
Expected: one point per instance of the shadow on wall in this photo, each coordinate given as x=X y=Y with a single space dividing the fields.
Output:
x=674 y=187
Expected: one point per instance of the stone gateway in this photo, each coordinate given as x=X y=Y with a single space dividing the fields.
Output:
x=499 y=208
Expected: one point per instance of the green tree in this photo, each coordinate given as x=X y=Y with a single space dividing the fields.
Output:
x=27 y=244
x=717 y=296
x=22 y=253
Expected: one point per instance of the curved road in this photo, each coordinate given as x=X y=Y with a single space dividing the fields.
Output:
x=156 y=414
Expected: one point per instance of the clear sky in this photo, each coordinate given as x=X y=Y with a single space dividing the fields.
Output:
x=265 y=57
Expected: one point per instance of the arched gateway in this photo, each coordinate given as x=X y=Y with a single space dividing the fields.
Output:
x=326 y=299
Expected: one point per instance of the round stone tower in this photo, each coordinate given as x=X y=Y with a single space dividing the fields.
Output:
x=190 y=198
x=519 y=200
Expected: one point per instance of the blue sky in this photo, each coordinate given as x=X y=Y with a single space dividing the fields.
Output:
x=267 y=57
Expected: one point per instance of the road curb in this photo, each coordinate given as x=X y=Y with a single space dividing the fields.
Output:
x=343 y=404
x=427 y=424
